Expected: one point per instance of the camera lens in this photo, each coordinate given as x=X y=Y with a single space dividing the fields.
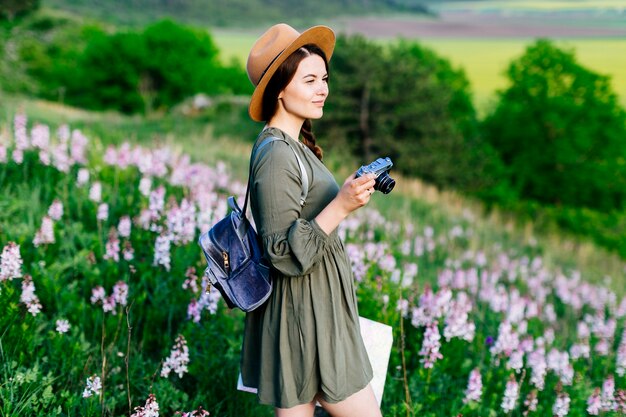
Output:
x=384 y=183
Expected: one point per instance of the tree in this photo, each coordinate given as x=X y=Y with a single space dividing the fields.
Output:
x=407 y=103
x=560 y=131
x=10 y=9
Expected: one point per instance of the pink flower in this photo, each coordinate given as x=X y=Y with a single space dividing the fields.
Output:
x=82 y=178
x=56 y=210
x=128 y=253
x=28 y=296
x=192 y=280
x=539 y=368
x=594 y=403
x=62 y=326
x=124 y=226
x=103 y=212
x=145 y=186
x=97 y=294
x=45 y=234
x=561 y=405
x=474 y=387
x=194 y=311
x=120 y=293
x=60 y=157
x=162 y=251
x=79 y=147
x=40 y=136
x=10 y=262
x=608 y=394
x=151 y=409
x=620 y=368
x=94 y=386
x=19 y=129
x=157 y=202
x=431 y=345
x=95 y=192
x=457 y=322
x=181 y=222
x=511 y=393
x=112 y=247
x=178 y=359
x=507 y=341
x=531 y=402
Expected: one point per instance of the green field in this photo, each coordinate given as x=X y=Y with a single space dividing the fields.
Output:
x=484 y=60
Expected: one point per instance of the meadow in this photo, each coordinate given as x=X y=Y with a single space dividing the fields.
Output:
x=484 y=60
x=103 y=311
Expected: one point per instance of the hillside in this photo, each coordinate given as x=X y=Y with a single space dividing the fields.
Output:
x=234 y=13
x=100 y=284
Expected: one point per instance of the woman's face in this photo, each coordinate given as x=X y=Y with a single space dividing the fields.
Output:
x=306 y=93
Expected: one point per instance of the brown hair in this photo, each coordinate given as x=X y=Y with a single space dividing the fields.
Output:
x=283 y=76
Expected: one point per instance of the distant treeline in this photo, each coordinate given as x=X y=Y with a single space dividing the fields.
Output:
x=553 y=148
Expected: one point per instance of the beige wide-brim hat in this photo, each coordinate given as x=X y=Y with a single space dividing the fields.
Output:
x=273 y=48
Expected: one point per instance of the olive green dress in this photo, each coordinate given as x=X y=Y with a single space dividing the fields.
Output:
x=306 y=338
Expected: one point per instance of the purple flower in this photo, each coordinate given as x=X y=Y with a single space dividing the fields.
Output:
x=103 y=212
x=45 y=234
x=594 y=403
x=430 y=346
x=28 y=296
x=94 y=386
x=511 y=393
x=124 y=226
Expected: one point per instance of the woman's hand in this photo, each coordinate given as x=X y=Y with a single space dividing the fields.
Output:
x=354 y=193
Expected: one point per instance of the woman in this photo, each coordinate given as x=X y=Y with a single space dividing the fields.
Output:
x=304 y=344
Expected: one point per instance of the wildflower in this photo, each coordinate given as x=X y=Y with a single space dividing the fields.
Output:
x=507 y=340
x=194 y=310
x=18 y=156
x=82 y=178
x=97 y=294
x=594 y=403
x=79 y=147
x=539 y=367
x=430 y=346
x=112 y=247
x=124 y=226
x=195 y=413
x=95 y=192
x=28 y=296
x=109 y=304
x=157 y=202
x=608 y=395
x=178 y=359
x=55 y=212
x=561 y=405
x=62 y=326
x=162 y=251
x=510 y=395
x=192 y=280
x=128 y=253
x=10 y=262
x=60 y=158
x=474 y=386
x=181 y=222
x=620 y=368
x=19 y=129
x=94 y=386
x=120 y=293
x=45 y=234
x=103 y=212
x=531 y=402
x=3 y=153
x=145 y=186
x=516 y=361
x=410 y=272
x=110 y=156
x=456 y=321
x=40 y=136
x=63 y=133
x=621 y=401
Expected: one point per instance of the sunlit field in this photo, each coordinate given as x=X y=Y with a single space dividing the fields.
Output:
x=484 y=60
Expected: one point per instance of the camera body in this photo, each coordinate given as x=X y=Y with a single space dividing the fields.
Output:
x=380 y=168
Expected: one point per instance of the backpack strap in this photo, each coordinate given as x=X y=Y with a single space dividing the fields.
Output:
x=304 y=177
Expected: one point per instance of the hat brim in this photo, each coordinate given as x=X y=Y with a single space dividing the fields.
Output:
x=321 y=36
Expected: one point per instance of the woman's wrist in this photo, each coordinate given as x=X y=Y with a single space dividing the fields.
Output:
x=330 y=217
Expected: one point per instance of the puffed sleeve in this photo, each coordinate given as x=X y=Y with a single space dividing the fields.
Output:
x=292 y=245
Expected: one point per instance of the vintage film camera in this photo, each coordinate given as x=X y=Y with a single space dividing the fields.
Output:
x=380 y=168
